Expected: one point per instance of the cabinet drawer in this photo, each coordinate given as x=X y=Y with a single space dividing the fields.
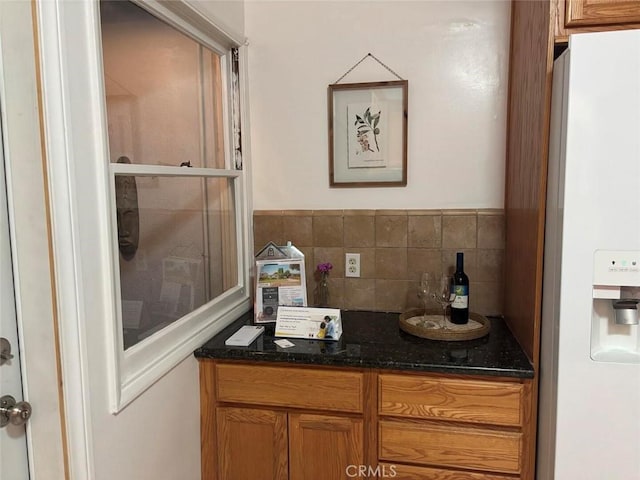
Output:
x=474 y=401
x=450 y=446
x=408 y=472
x=333 y=390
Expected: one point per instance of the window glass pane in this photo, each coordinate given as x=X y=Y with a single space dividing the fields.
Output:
x=164 y=91
x=177 y=247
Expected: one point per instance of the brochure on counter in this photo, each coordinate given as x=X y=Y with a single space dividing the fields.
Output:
x=280 y=282
x=310 y=323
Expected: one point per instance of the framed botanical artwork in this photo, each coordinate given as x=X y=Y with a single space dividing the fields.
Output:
x=368 y=134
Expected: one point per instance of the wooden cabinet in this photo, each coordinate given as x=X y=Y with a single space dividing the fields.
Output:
x=601 y=12
x=453 y=423
x=256 y=444
x=266 y=421
x=280 y=422
x=575 y=16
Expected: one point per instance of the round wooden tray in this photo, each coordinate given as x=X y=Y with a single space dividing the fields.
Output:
x=411 y=322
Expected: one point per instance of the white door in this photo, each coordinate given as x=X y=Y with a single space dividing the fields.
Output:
x=13 y=444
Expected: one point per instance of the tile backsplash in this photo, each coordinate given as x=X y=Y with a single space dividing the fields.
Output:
x=395 y=247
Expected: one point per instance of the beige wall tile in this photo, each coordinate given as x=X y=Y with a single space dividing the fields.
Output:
x=391 y=212
x=359 y=231
x=424 y=212
x=395 y=247
x=336 y=293
x=465 y=212
x=391 y=263
x=324 y=213
x=267 y=228
x=334 y=255
x=309 y=266
x=347 y=213
x=490 y=211
x=425 y=231
x=486 y=298
x=413 y=301
x=297 y=213
x=328 y=231
x=491 y=231
x=490 y=265
x=391 y=230
x=421 y=260
x=391 y=295
x=359 y=293
x=262 y=213
x=298 y=230
x=459 y=231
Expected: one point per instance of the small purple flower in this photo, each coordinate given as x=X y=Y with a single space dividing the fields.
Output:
x=324 y=267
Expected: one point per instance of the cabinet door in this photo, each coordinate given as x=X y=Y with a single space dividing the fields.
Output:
x=252 y=444
x=601 y=12
x=322 y=446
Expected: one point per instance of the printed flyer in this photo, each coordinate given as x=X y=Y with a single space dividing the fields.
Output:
x=279 y=282
x=310 y=323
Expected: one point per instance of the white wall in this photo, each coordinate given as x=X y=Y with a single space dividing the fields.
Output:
x=157 y=436
x=227 y=15
x=454 y=55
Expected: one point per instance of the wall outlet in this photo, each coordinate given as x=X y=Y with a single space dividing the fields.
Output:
x=352 y=265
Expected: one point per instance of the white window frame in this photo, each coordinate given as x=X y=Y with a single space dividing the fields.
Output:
x=142 y=364
x=139 y=366
x=82 y=203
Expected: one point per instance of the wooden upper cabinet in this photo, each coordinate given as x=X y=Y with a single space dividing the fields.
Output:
x=578 y=16
x=601 y=12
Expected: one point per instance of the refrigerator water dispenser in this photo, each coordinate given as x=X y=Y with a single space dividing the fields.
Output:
x=615 y=333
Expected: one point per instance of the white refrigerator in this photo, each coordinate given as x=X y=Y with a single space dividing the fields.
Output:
x=589 y=391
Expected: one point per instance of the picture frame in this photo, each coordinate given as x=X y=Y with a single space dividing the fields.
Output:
x=368 y=134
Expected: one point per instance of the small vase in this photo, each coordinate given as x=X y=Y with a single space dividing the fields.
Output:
x=322 y=291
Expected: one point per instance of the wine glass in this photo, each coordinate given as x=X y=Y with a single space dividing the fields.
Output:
x=424 y=291
x=444 y=296
x=425 y=294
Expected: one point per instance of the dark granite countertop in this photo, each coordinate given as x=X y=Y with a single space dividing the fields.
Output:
x=374 y=340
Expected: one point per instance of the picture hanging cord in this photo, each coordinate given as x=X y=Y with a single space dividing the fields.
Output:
x=362 y=60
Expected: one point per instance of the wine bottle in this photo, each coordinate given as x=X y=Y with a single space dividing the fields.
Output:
x=460 y=287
